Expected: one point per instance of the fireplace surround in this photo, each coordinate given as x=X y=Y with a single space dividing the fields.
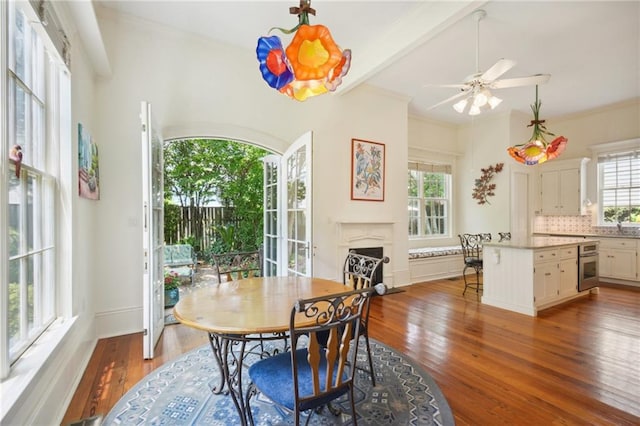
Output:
x=364 y=236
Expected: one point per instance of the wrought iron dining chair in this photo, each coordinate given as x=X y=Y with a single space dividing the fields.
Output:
x=485 y=237
x=238 y=265
x=472 y=254
x=504 y=236
x=311 y=375
x=359 y=271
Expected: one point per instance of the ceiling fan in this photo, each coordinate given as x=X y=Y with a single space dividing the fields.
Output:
x=474 y=91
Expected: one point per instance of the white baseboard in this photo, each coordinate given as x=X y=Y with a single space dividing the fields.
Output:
x=119 y=322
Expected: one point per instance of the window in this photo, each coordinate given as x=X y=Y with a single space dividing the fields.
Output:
x=619 y=187
x=429 y=200
x=37 y=103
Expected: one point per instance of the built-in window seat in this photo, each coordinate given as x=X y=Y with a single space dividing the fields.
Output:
x=432 y=263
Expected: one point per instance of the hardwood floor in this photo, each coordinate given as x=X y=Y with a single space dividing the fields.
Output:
x=578 y=363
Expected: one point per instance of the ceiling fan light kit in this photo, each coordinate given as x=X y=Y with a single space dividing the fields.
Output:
x=475 y=93
x=460 y=105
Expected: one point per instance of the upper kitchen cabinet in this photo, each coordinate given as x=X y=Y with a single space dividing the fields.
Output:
x=563 y=187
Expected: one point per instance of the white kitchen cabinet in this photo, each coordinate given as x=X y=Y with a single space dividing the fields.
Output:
x=568 y=277
x=568 y=271
x=562 y=187
x=546 y=281
x=555 y=274
x=618 y=258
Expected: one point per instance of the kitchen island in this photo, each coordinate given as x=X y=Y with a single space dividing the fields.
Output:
x=529 y=274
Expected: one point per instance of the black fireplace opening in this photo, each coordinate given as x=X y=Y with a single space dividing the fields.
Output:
x=376 y=252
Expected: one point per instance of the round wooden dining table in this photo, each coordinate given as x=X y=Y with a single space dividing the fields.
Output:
x=235 y=313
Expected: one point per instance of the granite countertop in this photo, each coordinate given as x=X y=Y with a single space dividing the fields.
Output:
x=575 y=234
x=539 y=242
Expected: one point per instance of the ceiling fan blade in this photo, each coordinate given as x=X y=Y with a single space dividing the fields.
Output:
x=455 y=86
x=452 y=98
x=499 y=68
x=521 y=81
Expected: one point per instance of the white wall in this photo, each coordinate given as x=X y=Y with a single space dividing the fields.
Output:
x=197 y=85
x=484 y=143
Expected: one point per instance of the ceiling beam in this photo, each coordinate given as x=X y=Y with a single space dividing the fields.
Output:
x=423 y=23
x=84 y=15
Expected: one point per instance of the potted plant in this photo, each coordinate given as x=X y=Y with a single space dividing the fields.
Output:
x=171 y=292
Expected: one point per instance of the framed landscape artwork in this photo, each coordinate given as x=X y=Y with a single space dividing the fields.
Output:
x=367 y=170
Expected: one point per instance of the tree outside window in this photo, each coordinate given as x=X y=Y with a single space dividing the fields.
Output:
x=429 y=200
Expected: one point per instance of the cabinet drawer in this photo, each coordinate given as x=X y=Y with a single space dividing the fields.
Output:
x=545 y=255
x=568 y=252
x=618 y=243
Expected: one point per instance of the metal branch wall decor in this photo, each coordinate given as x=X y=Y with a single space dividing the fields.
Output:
x=483 y=186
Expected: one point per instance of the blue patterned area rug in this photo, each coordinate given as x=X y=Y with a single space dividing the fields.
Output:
x=179 y=393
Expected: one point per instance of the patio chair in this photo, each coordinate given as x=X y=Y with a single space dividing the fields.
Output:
x=311 y=375
x=238 y=265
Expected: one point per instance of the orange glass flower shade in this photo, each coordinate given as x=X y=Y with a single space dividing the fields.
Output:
x=313 y=59
x=537 y=150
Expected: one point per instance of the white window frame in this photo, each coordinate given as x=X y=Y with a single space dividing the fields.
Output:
x=51 y=301
x=617 y=154
x=425 y=168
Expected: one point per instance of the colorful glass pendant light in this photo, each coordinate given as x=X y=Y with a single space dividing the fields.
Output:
x=311 y=65
x=537 y=150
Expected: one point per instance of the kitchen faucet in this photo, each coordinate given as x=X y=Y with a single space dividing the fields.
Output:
x=619 y=225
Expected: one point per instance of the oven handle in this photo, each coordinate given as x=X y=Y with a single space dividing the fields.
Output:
x=591 y=254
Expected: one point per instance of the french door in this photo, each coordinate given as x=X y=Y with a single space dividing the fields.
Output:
x=288 y=242
x=152 y=232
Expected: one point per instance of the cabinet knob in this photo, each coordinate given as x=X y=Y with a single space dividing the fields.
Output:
x=547 y=274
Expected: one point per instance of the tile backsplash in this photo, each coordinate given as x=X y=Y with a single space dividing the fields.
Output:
x=577 y=225
x=570 y=224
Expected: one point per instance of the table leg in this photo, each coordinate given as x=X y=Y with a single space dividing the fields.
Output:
x=216 y=347
x=230 y=365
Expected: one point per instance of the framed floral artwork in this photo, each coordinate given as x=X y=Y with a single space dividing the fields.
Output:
x=367 y=170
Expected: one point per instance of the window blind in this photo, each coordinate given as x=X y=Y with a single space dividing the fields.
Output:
x=430 y=168
x=620 y=179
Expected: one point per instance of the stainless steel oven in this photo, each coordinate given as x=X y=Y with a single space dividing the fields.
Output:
x=588 y=268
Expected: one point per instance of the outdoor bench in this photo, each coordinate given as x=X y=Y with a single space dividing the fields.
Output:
x=181 y=259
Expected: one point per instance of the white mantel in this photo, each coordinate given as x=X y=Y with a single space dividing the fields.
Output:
x=362 y=234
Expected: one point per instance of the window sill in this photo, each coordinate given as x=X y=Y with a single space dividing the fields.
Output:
x=31 y=364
